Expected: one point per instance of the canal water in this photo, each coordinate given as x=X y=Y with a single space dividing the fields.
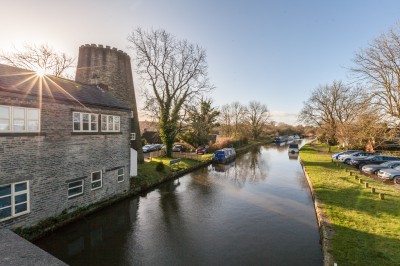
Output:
x=255 y=211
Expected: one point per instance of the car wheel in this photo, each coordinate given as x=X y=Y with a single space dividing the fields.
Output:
x=396 y=180
x=347 y=161
x=360 y=165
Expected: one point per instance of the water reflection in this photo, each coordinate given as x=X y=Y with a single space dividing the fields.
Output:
x=293 y=155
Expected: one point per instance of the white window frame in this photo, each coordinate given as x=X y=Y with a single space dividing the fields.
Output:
x=13 y=204
x=81 y=122
x=70 y=188
x=120 y=175
x=92 y=182
x=11 y=111
x=113 y=126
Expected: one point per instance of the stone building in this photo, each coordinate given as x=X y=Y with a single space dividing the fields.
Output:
x=66 y=144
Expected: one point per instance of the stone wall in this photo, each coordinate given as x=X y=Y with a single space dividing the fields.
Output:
x=58 y=155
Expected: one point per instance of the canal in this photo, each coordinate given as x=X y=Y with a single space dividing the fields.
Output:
x=255 y=211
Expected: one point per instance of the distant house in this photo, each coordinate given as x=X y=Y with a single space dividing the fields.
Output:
x=65 y=144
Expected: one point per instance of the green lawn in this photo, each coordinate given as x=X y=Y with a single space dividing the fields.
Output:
x=367 y=229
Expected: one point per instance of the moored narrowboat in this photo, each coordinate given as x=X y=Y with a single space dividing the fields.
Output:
x=224 y=155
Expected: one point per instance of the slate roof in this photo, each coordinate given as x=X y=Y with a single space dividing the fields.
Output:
x=27 y=82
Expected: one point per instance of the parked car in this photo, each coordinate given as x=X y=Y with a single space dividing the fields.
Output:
x=158 y=147
x=373 y=159
x=202 y=149
x=336 y=155
x=293 y=148
x=390 y=174
x=374 y=168
x=178 y=148
x=360 y=154
x=147 y=148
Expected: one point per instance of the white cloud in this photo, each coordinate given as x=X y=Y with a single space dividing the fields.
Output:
x=285 y=117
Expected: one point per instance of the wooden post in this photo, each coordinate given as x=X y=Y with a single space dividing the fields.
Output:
x=372 y=190
x=366 y=184
x=345 y=169
x=356 y=177
x=381 y=196
x=351 y=173
x=360 y=180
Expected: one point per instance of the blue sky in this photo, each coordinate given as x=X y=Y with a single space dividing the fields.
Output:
x=275 y=52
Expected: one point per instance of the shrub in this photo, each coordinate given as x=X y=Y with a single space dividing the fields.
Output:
x=160 y=167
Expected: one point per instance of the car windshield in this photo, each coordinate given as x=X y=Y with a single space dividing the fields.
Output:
x=387 y=164
x=397 y=167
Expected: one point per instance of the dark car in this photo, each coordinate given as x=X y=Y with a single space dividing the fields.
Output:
x=158 y=147
x=202 y=149
x=374 y=159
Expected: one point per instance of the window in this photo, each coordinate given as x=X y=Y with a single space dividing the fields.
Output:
x=120 y=175
x=75 y=188
x=110 y=123
x=97 y=180
x=85 y=122
x=14 y=200
x=19 y=119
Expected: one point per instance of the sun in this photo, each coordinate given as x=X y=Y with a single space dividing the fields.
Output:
x=40 y=72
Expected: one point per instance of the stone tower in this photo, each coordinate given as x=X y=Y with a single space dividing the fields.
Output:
x=111 y=70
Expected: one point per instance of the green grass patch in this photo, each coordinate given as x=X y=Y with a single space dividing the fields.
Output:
x=148 y=174
x=367 y=229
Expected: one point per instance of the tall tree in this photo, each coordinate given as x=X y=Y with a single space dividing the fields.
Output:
x=176 y=71
x=41 y=58
x=238 y=112
x=201 y=118
x=330 y=107
x=257 y=115
x=379 y=66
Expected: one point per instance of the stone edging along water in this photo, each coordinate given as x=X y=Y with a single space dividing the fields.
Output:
x=326 y=231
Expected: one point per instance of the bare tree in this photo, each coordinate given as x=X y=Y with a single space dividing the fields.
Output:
x=238 y=112
x=176 y=72
x=39 y=58
x=379 y=66
x=257 y=115
x=225 y=120
x=332 y=107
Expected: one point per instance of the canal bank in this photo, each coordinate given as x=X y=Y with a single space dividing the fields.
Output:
x=53 y=223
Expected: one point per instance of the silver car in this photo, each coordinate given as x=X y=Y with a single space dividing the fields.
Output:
x=374 y=168
x=390 y=174
x=347 y=158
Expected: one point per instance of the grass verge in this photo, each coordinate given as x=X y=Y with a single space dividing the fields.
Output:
x=367 y=229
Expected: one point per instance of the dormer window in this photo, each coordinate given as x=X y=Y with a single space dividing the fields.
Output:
x=85 y=122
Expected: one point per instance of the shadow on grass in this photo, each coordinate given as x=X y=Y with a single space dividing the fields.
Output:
x=355 y=247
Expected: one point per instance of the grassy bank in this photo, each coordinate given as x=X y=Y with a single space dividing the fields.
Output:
x=367 y=229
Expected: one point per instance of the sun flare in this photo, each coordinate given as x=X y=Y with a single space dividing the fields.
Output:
x=40 y=72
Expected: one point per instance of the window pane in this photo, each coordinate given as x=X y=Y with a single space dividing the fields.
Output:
x=75 y=191
x=85 y=118
x=4 y=202
x=96 y=184
x=20 y=198
x=4 y=213
x=75 y=184
x=77 y=126
x=4 y=125
x=19 y=125
x=21 y=187
x=96 y=176
x=121 y=171
x=85 y=126
x=116 y=119
x=116 y=128
x=33 y=125
x=4 y=112
x=19 y=113
x=93 y=118
x=93 y=127
x=5 y=190
x=110 y=122
x=21 y=208
x=33 y=114
x=120 y=178
x=77 y=117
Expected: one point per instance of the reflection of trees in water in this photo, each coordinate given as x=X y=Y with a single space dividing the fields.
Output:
x=250 y=167
x=169 y=202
